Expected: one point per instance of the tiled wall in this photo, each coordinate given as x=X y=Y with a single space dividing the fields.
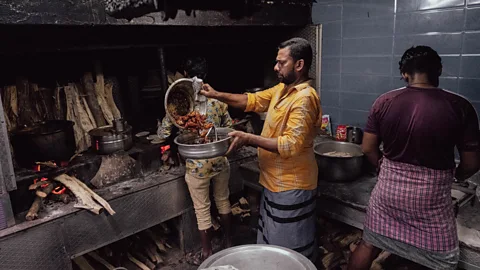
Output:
x=363 y=41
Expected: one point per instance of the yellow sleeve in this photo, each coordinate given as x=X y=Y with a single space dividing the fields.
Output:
x=301 y=122
x=259 y=101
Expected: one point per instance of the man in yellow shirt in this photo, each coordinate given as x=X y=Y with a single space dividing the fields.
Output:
x=288 y=170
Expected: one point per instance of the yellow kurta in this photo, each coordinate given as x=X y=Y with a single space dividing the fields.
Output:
x=293 y=116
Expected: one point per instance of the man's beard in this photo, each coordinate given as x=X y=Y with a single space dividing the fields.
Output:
x=289 y=78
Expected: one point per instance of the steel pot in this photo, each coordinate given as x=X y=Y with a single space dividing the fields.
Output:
x=107 y=140
x=339 y=169
x=188 y=149
x=44 y=141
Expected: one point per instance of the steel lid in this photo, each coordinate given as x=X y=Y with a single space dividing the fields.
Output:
x=108 y=133
x=265 y=257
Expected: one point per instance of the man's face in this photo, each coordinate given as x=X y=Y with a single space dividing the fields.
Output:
x=285 y=66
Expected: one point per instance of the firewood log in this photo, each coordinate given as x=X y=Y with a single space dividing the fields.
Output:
x=143 y=259
x=157 y=240
x=82 y=263
x=60 y=104
x=38 y=203
x=81 y=115
x=33 y=211
x=87 y=199
x=137 y=262
x=101 y=260
x=110 y=98
x=43 y=193
x=10 y=106
x=27 y=112
x=101 y=94
x=90 y=96
x=38 y=184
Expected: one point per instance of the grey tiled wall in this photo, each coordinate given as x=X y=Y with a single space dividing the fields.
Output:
x=363 y=41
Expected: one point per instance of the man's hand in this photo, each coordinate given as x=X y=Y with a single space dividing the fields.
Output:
x=208 y=91
x=239 y=139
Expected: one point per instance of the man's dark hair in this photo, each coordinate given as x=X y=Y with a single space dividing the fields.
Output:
x=422 y=59
x=196 y=66
x=299 y=49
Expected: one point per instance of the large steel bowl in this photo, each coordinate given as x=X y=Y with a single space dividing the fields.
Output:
x=187 y=148
x=338 y=169
x=265 y=257
x=186 y=87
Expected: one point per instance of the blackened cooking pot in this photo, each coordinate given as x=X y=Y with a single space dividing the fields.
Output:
x=339 y=169
x=44 y=141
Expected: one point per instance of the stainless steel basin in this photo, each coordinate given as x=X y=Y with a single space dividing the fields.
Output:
x=188 y=149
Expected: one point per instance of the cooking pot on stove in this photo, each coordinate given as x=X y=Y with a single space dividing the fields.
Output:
x=337 y=168
x=111 y=139
x=43 y=141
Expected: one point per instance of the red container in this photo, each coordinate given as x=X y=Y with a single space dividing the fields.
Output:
x=341 y=134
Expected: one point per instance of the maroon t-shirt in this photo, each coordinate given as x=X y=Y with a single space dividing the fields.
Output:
x=422 y=126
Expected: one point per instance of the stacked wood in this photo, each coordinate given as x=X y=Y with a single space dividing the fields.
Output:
x=146 y=250
x=60 y=104
x=101 y=95
x=88 y=90
x=10 y=106
x=27 y=113
x=79 y=112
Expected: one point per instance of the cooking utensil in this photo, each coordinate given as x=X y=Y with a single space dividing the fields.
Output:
x=184 y=87
x=44 y=141
x=339 y=169
x=188 y=148
x=354 y=135
x=200 y=100
x=107 y=140
x=259 y=257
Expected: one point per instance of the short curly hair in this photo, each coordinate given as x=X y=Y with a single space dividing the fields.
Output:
x=422 y=59
x=196 y=66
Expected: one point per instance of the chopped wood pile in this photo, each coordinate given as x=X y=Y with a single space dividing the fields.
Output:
x=146 y=250
x=89 y=103
x=338 y=242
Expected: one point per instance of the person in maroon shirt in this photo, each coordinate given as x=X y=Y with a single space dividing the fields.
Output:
x=410 y=212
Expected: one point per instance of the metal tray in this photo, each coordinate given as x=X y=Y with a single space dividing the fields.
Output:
x=264 y=257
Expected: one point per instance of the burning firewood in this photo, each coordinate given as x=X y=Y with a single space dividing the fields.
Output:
x=43 y=193
x=60 y=198
x=38 y=202
x=38 y=184
x=87 y=199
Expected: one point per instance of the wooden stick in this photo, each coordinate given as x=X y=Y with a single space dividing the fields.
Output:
x=82 y=263
x=137 y=262
x=61 y=198
x=85 y=199
x=97 y=198
x=39 y=184
x=100 y=93
x=101 y=260
x=150 y=254
x=89 y=92
x=143 y=259
x=33 y=211
x=157 y=240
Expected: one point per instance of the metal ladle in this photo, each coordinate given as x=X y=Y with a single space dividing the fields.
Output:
x=210 y=130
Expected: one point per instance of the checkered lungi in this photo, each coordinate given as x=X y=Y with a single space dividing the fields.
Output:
x=413 y=205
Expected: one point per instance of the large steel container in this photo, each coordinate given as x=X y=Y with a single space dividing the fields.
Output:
x=339 y=169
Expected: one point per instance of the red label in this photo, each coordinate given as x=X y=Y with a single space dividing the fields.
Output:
x=341 y=133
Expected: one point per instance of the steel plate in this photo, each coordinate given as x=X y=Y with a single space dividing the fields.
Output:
x=265 y=257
